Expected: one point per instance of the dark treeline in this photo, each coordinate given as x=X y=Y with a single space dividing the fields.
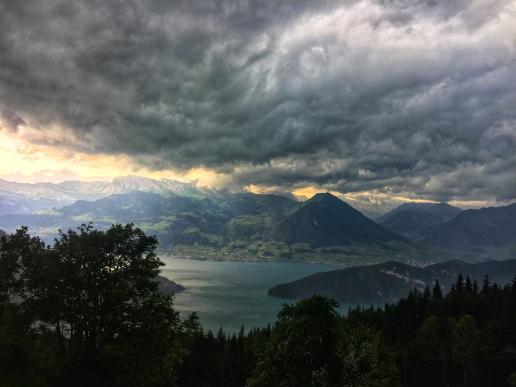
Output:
x=86 y=312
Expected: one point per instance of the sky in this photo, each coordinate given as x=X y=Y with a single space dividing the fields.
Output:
x=401 y=99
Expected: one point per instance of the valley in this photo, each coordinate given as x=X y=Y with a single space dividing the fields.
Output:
x=196 y=223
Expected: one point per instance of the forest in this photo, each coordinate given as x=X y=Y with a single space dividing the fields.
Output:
x=85 y=311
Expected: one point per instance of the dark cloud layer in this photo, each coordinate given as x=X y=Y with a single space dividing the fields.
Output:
x=402 y=97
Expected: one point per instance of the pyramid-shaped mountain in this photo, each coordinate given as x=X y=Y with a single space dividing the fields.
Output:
x=325 y=220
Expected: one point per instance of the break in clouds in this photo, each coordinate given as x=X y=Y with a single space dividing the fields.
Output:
x=400 y=97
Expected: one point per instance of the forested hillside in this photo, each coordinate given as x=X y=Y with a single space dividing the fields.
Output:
x=390 y=281
x=86 y=311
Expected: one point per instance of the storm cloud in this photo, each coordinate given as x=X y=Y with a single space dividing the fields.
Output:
x=402 y=97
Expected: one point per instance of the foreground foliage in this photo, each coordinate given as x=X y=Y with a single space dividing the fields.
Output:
x=86 y=312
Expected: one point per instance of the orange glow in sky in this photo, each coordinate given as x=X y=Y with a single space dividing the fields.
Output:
x=19 y=157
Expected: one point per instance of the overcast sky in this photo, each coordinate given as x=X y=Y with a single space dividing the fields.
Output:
x=402 y=98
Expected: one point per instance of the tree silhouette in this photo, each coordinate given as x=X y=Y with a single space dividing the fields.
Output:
x=92 y=297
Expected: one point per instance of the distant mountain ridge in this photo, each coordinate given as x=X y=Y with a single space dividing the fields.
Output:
x=26 y=198
x=202 y=223
x=390 y=281
x=234 y=226
x=443 y=211
x=485 y=227
x=417 y=221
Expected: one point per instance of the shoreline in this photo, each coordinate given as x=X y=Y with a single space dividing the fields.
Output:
x=254 y=260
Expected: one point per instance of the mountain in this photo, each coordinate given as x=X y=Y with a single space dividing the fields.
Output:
x=250 y=204
x=442 y=211
x=242 y=226
x=175 y=219
x=390 y=281
x=412 y=224
x=493 y=227
x=325 y=220
x=25 y=198
x=374 y=284
x=2 y=233
x=416 y=221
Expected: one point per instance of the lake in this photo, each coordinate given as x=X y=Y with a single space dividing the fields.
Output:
x=232 y=294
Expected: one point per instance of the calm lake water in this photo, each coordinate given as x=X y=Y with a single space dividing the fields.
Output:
x=232 y=294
